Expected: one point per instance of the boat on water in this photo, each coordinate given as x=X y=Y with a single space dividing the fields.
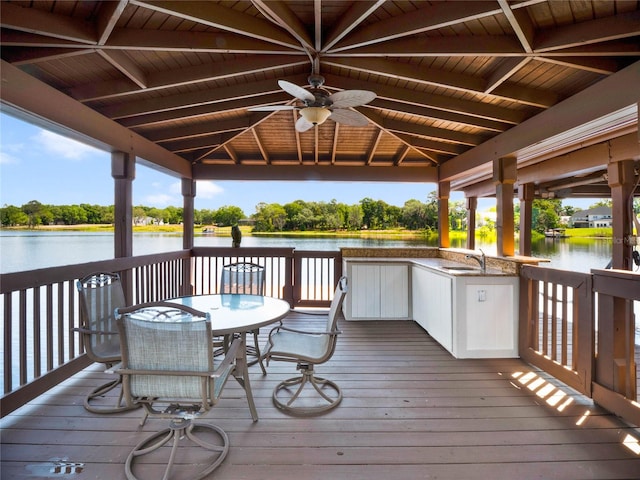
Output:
x=555 y=233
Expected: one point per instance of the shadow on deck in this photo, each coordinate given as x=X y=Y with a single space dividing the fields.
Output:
x=410 y=411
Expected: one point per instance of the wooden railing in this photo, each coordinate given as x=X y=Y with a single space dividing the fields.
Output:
x=40 y=307
x=590 y=349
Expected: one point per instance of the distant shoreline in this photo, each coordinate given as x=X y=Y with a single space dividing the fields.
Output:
x=586 y=233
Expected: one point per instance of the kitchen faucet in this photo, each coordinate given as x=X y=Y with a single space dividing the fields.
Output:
x=481 y=259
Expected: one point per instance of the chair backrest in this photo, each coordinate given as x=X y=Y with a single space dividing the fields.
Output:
x=246 y=278
x=336 y=304
x=100 y=294
x=331 y=339
x=163 y=343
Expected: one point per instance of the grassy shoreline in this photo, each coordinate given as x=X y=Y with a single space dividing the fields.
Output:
x=246 y=231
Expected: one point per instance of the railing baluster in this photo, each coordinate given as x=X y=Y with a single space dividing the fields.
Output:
x=8 y=336
x=37 y=332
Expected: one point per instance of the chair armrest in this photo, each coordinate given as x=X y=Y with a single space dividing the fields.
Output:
x=94 y=332
x=305 y=332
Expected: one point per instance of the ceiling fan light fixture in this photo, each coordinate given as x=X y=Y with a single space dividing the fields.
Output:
x=315 y=115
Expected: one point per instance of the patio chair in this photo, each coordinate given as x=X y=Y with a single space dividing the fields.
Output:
x=307 y=349
x=168 y=368
x=100 y=294
x=245 y=278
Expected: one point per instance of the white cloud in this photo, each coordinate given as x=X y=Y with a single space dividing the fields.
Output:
x=208 y=190
x=7 y=158
x=62 y=146
x=160 y=200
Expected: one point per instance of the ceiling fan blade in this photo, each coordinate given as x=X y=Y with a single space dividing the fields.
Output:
x=296 y=91
x=271 y=108
x=351 y=98
x=349 y=117
x=302 y=125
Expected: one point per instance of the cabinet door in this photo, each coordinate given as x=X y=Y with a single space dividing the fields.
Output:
x=489 y=328
x=419 y=285
x=364 y=287
x=394 y=291
x=438 y=310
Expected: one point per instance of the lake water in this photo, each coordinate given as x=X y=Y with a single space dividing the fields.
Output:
x=27 y=250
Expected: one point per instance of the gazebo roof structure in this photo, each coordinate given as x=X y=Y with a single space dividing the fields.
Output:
x=553 y=85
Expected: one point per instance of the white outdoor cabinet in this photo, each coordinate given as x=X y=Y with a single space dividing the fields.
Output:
x=432 y=304
x=472 y=316
x=486 y=317
x=377 y=291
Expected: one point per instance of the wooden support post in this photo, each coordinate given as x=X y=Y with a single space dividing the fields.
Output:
x=615 y=314
x=622 y=181
x=472 y=206
x=123 y=171
x=188 y=213
x=504 y=176
x=526 y=194
x=443 y=214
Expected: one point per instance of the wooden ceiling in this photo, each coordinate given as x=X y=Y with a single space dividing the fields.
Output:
x=554 y=84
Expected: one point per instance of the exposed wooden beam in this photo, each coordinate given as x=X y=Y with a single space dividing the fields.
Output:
x=29 y=56
x=623 y=25
x=218 y=16
x=401 y=155
x=108 y=16
x=505 y=70
x=125 y=66
x=413 y=97
x=204 y=110
x=520 y=23
x=326 y=172
x=600 y=65
x=357 y=13
x=334 y=144
x=36 y=21
x=263 y=150
x=421 y=20
x=435 y=114
x=373 y=147
x=440 y=78
x=184 y=76
x=191 y=99
x=280 y=13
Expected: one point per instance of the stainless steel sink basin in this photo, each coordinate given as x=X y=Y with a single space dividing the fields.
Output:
x=462 y=269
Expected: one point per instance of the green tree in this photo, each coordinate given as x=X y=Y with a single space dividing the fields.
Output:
x=354 y=217
x=73 y=214
x=12 y=216
x=545 y=214
x=414 y=215
x=228 y=215
x=269 y=217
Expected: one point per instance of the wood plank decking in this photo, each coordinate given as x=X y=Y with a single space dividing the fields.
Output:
x=410 y=411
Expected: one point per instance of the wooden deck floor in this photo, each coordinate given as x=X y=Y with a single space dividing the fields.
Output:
x=410 y=411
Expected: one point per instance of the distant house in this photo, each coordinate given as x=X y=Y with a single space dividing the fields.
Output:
x=599 y=217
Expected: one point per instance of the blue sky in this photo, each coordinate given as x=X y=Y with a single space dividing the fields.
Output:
x=36 y=164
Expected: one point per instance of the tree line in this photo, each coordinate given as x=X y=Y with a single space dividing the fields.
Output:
x=273 y=217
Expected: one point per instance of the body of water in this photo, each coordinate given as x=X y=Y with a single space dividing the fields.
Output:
x=22 y=250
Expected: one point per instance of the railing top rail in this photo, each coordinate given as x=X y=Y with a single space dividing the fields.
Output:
x=11 y=282
x=617 y=283
x=243 y=252
x=552 y=275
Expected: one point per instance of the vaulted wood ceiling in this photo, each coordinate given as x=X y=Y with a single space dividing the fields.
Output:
x=554 y=84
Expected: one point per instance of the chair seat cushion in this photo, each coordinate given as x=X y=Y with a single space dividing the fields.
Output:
x=299 y=345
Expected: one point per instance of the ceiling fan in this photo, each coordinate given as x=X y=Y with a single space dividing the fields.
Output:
x=319 y=104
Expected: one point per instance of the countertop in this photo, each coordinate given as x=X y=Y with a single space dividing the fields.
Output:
x=441 y=265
